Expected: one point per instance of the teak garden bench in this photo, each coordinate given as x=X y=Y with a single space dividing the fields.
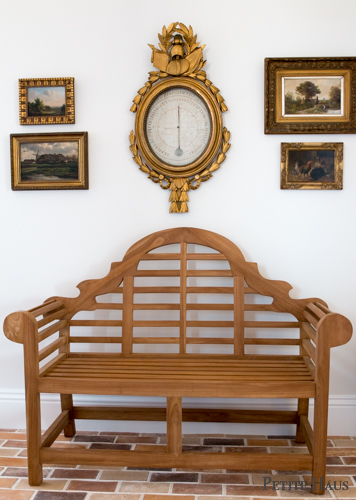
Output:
x=183 y=315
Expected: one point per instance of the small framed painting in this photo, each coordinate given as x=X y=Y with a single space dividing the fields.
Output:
x=49 y=161
x=310 y=95
x=46 y=101
x=311 y=165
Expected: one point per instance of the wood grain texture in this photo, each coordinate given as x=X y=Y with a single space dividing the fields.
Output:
x=55 y=429
x=67 y=406
x=127 y=315
x=250 y=461
x=188 y=415
x=184 y=301
x=33 y=404
x=303 y=408
x=174 y=426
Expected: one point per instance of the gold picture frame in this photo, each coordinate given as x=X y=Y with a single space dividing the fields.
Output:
x=49 y=161
x=311 y=165
x=46 y=101
x=310 y=95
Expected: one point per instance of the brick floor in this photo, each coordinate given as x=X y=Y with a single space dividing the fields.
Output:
x=143 y=483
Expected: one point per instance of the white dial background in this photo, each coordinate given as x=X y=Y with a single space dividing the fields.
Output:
x=178 y=126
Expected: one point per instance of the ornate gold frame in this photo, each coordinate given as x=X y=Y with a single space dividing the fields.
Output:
x=277 y=68
x=20 y=185
x=304 y=182
x=215 y=136
x=66 y=82
x=180 y=62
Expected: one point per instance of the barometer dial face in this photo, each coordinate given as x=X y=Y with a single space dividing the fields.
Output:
x=178 y=126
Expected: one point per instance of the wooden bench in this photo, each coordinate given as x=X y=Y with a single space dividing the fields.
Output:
x=183 y=315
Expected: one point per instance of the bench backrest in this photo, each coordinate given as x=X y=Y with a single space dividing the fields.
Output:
x=185 y=290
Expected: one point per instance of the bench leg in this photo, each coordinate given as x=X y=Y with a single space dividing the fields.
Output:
x=320 y=442
x=67 y=404
x=303 y=407
x=33 y=421
x=174 y=426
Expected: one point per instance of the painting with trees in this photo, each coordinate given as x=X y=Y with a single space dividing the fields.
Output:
x=46 y=101
x=312 y=96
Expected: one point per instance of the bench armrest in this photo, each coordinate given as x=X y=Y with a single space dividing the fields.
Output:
x=322 y=331
x=326 y=328
x=333 y=330
x=19 y=324
x=32 y=327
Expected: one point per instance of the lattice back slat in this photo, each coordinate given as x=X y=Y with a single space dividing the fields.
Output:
x=184 y=297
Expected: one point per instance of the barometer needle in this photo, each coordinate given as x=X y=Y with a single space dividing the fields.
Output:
x=178 y=151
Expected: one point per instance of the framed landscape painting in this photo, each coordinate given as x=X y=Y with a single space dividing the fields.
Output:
x=311 y=165
x=49 y=161
x=310 y=95
x=46 y=101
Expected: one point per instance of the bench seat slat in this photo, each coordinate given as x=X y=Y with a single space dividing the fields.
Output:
x=186 y=380
x=194 y=374
x=210 y=366
x=183 y=369
x=199 y=388
x=185 y=372
x=192 y=358
x=151 y=360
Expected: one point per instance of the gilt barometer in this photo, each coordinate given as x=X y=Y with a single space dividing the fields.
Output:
x=179 y=138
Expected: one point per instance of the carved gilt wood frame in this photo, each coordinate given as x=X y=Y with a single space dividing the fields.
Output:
x=277 y=69
x=47 y=166
x=315 y=173
x=41 y=83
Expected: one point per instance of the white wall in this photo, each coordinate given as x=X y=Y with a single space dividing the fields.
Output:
x=51 y=240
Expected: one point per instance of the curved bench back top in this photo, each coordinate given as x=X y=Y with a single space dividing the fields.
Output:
x=189 y=286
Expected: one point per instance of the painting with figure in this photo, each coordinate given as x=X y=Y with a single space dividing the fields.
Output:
x=311 y=166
